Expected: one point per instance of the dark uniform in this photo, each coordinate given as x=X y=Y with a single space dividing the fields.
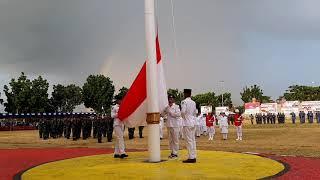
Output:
x=268 y=118
x=109 y=122
x=310 y=117
x=318 y=117
x=273 y=118
x=264 y=118
x=99 y=125
x=251 y=118
x=293 y=117
x=41 y=127
x=140 y=131
x=131 y=132
x=302 y=116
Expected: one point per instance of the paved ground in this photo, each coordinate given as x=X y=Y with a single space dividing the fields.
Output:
x=13 y=161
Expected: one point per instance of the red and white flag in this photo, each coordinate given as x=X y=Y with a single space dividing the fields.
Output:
x=133 y=109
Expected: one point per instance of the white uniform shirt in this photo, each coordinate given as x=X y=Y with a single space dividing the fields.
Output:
x=223 y=121
x=188 y=112
x=173 y=114
x=114 y=115
x=198 y=120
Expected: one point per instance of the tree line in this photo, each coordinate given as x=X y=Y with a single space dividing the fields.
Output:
x=24 y=95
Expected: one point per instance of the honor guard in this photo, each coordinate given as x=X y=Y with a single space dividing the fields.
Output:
x=302 y=116
x=119 y=147
x=293 y=117
x=188 y=113
x=310 y=117
x=318 y=117
x=172 y=111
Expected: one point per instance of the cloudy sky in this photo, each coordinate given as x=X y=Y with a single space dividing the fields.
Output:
x=272 y=43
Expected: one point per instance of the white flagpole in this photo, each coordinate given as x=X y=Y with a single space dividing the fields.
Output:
x=153 y=115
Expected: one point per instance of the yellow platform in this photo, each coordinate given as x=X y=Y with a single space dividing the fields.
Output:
x=210 y=165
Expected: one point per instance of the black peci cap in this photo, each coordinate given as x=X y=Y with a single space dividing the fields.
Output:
x=188 y=91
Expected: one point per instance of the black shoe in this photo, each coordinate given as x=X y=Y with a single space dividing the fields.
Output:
x=190 y=161
x=141 y=137
x=109 y=140
x=123 y=156
x=173 y=156
x=116 y=156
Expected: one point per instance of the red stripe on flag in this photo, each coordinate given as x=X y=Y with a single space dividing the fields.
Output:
x=135 y=96
x=138 y=90
x=158 y=50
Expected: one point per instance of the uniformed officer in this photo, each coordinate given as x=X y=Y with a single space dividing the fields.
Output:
x=318 y=117
x=99 y=129
x=257 y=118
x=251 y=118
x=141 y=131
x=310 y=117
x=131 y=132
x=172 y=111
x=119 y=147
x=293 y=117
x=274 y=118
x=302 y=117
x=109 y=121
x=41 y=128
x=188 y=113
x=269 y=118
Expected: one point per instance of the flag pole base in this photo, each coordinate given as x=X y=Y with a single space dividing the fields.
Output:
x=153 y=120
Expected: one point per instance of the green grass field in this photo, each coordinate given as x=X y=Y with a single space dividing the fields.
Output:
x=281 y=139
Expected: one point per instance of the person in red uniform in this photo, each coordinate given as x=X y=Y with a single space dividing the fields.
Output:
x=238 y=123
x=210 y=121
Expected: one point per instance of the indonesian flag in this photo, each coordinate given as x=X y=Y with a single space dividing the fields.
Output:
x=133 y=109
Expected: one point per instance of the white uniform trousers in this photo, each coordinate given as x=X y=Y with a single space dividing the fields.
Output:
x=119 y=141
x=181 y=133
x=239 y=131
x=198 y=131
x=173 y=139
x=189 y=134
x=211 y=131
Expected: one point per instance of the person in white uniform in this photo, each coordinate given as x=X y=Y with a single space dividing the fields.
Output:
x=181 y=135
x=118 y=126
x=173 y=124
x=188 y=113
x=203 y=125
x=198 y=124
x=223 y=123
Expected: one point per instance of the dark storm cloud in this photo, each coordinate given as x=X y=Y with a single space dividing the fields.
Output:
x=240 y=42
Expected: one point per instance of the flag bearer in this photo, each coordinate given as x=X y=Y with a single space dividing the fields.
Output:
x=188 y=113
x=119 y=147
x=173 y=124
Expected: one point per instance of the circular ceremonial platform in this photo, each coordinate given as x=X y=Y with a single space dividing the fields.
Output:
x=210 y=164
